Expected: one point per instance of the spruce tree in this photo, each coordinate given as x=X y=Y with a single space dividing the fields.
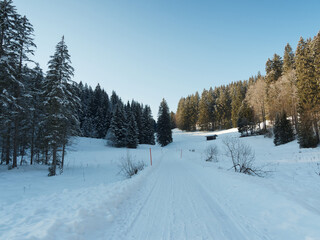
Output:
x=117 y=133
x=283 y=131
x=132 y=132
x=204 y=111
x=288 y=59
x=164 y=133
x=308 y=91
x=274 y=69
x=16 y=44
x=148 y=126
x=60 y=102
x=237 y=99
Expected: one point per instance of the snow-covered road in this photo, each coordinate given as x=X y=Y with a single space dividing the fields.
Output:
x=175 y=203
x=181 y=199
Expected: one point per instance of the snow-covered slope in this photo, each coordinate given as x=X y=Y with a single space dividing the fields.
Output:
x=180 y=197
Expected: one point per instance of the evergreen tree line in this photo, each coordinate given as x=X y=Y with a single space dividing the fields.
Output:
x=123 y=125
x=290 y=89
x=216 y=108
x=39 y=112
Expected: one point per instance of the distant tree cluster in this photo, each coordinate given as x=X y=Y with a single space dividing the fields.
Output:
x=216 y=108
x=40 y=112
x=291 y=88
x=123 y=125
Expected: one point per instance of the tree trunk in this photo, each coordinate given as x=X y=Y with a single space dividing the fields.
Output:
x=54 y=160
x=8 y=146
x=15 y=143
x=32 y=145
x=62 y=159
x=316 y=128
x=46 y=156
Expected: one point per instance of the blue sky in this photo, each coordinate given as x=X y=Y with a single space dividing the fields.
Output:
x=149 y=50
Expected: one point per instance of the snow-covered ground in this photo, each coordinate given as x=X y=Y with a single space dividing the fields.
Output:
x=180 y=197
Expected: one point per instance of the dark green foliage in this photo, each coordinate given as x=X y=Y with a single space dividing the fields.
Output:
x=306 y=134
x=164 y=134
x=288 y=59
x=117 y=133
x=308 y=92
x=148 y=129
x=187 y=113
x=283 y=131
x=132 y=132
x=274 y=69
x=60 y=102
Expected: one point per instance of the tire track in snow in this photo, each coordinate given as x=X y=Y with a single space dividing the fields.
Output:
x=174 y=204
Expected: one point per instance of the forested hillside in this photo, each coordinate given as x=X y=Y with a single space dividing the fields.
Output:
x=290 y=87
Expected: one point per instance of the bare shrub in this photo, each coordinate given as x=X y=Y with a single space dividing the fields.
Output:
x=211 y=153
x=129 y=167
x=242 y=157
x=318 y=169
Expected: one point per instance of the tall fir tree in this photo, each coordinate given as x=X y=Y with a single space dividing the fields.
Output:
x=164 y=133
x=132 y=132
x=288 y=59
x=60 y=102
x=308 y=91
x=283 y=131
x=117 y=133
x=148 y=126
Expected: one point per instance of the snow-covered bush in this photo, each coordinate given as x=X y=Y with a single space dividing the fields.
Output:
x=211 y=153
x=242 y=156
x=129 y=167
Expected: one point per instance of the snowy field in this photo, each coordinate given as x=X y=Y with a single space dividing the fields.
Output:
x=180 y=197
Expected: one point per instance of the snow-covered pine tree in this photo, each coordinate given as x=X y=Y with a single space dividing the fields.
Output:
x=60 y=121
x=16 y=44
x=36 y=111
x=117 y=133
x=164 y=133
x=147 y=132
x=136 y=109
x=100 y=108
x=132 y=132
x=24 y=45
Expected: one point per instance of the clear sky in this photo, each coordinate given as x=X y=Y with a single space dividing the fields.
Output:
x=149 y=50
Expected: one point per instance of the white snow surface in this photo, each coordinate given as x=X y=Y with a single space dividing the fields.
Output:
x=180 y=197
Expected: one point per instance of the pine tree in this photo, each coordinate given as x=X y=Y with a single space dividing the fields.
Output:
x=60 y=103
x=117 y=133
x=15 y=44
x=308 y=91
x=132 y=132
x=237 y=99
x=148 y=126
x=164 y=133
x=204 y=111
x=24 y=44
x=288 y=59
x=274 y=69
x=283 y=132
